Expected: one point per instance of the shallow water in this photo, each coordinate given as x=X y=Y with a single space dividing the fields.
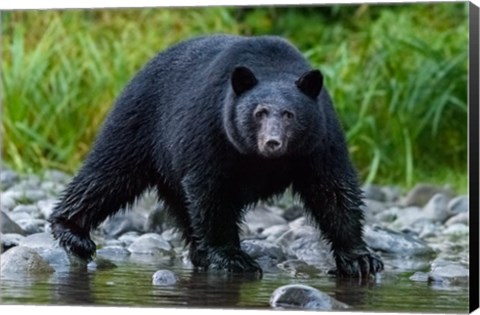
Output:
x=130 y=284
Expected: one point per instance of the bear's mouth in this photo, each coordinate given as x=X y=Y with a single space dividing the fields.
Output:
x=272 y=148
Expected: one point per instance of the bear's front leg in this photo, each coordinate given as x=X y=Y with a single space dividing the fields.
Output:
x=334 y=205
x=215 y=218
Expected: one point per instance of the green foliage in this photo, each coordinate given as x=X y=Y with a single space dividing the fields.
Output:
x=397 y=74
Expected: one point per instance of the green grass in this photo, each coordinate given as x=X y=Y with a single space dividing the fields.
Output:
x=397 y=74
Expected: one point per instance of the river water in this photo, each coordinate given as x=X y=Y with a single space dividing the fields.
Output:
x=130 y=284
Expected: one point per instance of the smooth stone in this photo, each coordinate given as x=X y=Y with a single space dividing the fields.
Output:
x=57 y=176
x=8 y=178
x=32 y=226
x=128 y=238
x=7 y=225
x=459 y=204
x=21 y=259
x=268 y=255
x=304 y=297
x=164 y=278
x=462 y=217
x=101 y=264
x=39 y=240
x=151 y=244
x=272 y=233
x=373 y=192
x=174 y=236
x=157 y=220
x=7 y=202
x=262 y=217
x=389 y=215
x=374 y=207
x=122 y=222
x=452 y=273
x=419 y=276
x=299 y=269
x=422 y=193
x=456 y=229
x=46 y=207
x=395 y=243
x=32 y=210
x=113 y=251
x=293 y=212
x=10 y=240
x=436 y=208
x=391 y=193
x=52 y=188
x=33 y=195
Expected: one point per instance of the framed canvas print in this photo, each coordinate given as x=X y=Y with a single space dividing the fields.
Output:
x=319 y=157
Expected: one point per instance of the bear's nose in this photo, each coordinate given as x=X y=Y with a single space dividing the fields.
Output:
x=273 y=144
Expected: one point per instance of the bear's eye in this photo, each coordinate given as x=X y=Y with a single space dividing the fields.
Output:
x=261 y=113
x=288 y=115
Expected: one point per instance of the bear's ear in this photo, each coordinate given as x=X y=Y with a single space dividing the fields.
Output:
x=310 y=83
x=243 y=80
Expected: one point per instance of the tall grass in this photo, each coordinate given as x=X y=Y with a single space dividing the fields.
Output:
x=398 y=76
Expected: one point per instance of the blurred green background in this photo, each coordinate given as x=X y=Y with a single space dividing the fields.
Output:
x=397 y=74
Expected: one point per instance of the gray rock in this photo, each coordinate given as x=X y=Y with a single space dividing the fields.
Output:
x=422 y=193
x=292 y=213
x=299 y=269
x=10 y=240
x=46 y=207
x=436 y=208
x=101 y=264
x=33 y=195
x=389 y=215
x=122 y=222
x=272 y=233
x=419 y=276
x=458 y=204
x=374 y=207
x=373 y=192
x=262 y=217
x=8 y=225
x=462 y=217
x=128 y=238
x=7 y=178
x=7 y=202
x=57 y=176
x=458 y=229
x=173 y=236
x=391 y=193
x=32 y=226
x=113 y=251
x=39 y=240
x=157 y=220
x=395 y=243
x=304 y=297
x=52 y=188
x=152 y=244
x=305 y=243
x=32 y=210
x=21 y=259
x=164 y=278
x=449 y=273
x=268 y=255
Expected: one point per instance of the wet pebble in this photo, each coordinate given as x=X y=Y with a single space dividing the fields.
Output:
x=462 y=217
x=164 y=278
x=304 y=297
x=7 y=225
x=436 y=208
x=124 y=221
x=113 y=251
x=151 y=244
x=268 y=255
x=262 y=217
x=10 y=240
x=458 y=205
x=392 y=242
x=20 y=260
x=449 y=273
x=299 y=269
x=422 y=193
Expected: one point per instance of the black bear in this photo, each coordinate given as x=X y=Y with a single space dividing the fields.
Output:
x=215 y=124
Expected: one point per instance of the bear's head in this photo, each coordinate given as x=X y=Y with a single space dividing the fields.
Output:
x=274 y=116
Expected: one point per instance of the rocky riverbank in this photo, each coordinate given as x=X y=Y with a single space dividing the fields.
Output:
x=423 y=231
